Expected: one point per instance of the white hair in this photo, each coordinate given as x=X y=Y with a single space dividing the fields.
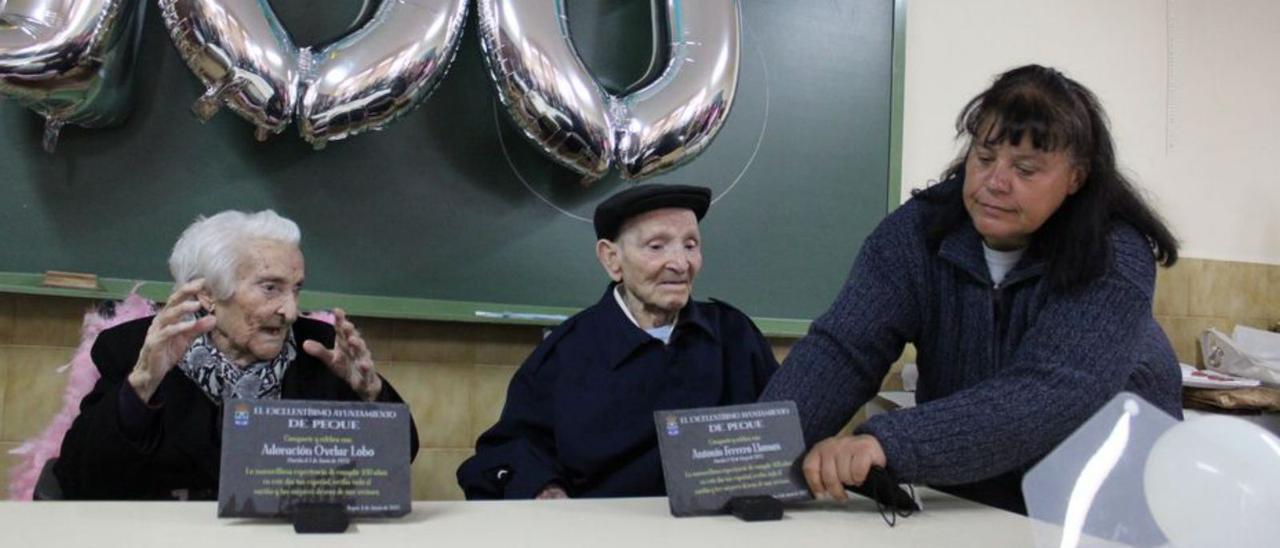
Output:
x=212 y=247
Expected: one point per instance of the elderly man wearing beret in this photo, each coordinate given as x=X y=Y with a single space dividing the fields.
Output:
x=578 y=420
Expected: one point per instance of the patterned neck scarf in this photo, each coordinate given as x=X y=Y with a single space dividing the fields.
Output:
x=221 y=379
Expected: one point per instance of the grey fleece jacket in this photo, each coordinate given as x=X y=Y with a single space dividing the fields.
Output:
x=1006 y=372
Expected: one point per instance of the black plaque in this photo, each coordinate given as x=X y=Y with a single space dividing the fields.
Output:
x=715 y=454
x=280 y=455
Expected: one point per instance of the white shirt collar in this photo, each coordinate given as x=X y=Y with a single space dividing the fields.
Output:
x=662 y=333
x=617 y=296
x=999 y=263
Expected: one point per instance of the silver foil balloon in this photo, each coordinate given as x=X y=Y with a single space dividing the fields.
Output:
x=544 y=84
x=364 y=80
x=674 y=118
x=381 y=71
x=561 y=108
x=71 y=61
x=242 y=54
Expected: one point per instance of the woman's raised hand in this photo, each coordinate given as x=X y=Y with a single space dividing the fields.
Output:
x=172 y=331
x=350 y=358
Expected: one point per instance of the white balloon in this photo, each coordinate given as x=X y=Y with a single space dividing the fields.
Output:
x=1215 y=481
x=1088 y=491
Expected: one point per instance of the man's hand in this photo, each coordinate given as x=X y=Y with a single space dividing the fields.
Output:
x=349 y=359
x=841 y=460
x=552 y=492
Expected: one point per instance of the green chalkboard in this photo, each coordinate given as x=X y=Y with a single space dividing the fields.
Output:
x=449 y=208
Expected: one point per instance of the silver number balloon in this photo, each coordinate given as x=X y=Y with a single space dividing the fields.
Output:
x=561 y=108
x=671 y=120
x=70 y=60
x=544 y=84
x=242 y=54
x=361 y=82
x=381 y=71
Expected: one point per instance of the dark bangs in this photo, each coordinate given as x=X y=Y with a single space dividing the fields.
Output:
x=1038 y=108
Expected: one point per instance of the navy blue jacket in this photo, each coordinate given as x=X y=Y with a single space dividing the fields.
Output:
x=579 y=411
x=1006 y=371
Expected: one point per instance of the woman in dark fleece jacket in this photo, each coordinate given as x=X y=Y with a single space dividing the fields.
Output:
x=1024 y=279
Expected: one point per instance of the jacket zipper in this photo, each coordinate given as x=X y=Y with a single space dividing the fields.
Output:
x=997 y=330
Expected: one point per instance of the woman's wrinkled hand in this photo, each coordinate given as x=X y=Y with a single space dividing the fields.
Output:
x=349 y=358
x=171 y=333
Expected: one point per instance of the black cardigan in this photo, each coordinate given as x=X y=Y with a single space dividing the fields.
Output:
x=98 y=462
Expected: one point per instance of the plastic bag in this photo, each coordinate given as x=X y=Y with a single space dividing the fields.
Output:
x=1250 y=353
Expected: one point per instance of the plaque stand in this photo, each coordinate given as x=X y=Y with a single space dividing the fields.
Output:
x=755 y=508
x=320 y=518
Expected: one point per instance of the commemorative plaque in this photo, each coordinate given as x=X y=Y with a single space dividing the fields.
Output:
x=713 y=455
x=279 y=456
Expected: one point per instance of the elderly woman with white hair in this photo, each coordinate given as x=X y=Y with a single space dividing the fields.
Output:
x=151 y=426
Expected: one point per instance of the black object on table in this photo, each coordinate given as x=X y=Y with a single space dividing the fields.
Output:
x=320 y=518
x=755 y=508
x=881 y=487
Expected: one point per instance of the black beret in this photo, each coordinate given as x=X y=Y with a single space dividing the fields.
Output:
x=614 y=211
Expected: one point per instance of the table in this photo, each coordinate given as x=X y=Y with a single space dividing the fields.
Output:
x=611 y=523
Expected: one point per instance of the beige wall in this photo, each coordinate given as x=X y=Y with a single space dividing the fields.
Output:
x=1190 y=86
x=455 y=376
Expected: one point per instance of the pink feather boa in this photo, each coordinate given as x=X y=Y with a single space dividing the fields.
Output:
x=82 y=375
